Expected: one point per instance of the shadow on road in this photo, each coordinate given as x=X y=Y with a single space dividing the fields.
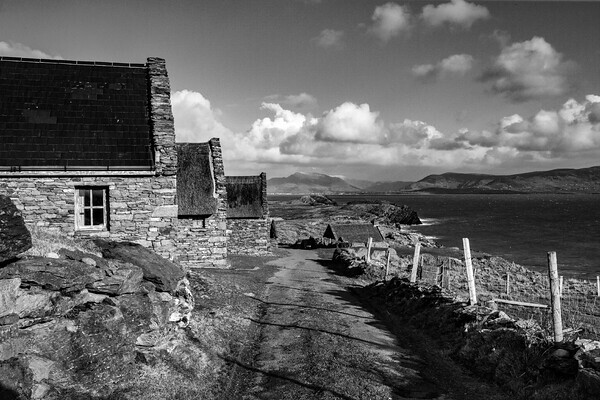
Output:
x=316 y=388
x=311 y=307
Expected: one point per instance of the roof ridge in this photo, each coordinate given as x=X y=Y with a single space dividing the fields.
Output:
x=72 y=62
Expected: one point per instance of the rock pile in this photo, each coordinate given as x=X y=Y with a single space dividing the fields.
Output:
x=76 y=326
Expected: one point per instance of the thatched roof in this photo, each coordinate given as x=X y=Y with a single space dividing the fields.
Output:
x=246 y=197
x=195 y=180
x=353 y=233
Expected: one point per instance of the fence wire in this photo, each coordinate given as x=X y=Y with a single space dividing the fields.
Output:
x=496 y=278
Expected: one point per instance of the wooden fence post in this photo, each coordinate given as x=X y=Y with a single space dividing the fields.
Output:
x=555 y=296
x=598 y=284
x=470 y=275
x=369 y=244
x=508 y=283
x=415 y=266
x=560 y=285
x=387 y=265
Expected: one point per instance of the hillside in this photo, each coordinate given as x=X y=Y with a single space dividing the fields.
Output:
x=305 y=183
x=301 y=183
x=387 y=187
x=585 y=180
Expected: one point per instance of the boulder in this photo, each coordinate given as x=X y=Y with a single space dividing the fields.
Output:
x=125 y=279
x=9 y=289
x=163 y=273
x=14 y=236
x=36 y=303
x=86 y=258
x=15 y=380
x=52 y=274
x=9 y=319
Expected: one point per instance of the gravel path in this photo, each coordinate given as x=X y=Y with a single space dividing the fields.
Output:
x=315 y=341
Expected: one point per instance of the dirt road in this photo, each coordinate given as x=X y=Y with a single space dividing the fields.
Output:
x=315 y=341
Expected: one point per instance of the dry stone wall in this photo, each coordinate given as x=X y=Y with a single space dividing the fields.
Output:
x=142 y=209
x=248 y=236
x=251 y=236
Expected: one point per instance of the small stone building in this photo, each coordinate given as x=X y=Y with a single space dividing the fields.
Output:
x=247 y=215
x=353 y=234
x=88 y=148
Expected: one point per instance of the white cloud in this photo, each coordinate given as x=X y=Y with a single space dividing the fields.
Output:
x=13 y=49
x=529 y=70
x=563 y=133
x=350 y=123
x=299 y=102
x=356 y=136
x=457 y=13
x=195 y=119
x=412 y=133
x=329 y=39
x=457 y=64
x=390 y=20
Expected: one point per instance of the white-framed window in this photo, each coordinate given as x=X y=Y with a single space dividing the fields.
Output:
x=91 y=208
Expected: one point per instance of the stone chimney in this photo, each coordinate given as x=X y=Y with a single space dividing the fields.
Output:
x=161 y=115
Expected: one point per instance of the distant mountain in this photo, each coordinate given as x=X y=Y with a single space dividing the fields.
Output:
x=302 y=183
x=359 y=183
x=387 y=187
x=566 y=180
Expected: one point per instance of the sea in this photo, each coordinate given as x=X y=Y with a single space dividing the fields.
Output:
x=519 y=227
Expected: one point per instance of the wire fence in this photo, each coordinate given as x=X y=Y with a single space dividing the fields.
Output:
x=518 y=291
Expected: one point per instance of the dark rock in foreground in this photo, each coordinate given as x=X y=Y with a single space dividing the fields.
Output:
x=163 y=273
x=52 y=274
x=83 y=327
x=14 y=236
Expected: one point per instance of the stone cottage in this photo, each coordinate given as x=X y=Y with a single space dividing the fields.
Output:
x=247 y=215
x=88 y=148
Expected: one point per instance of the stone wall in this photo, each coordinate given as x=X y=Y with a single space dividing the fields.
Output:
x=161 y=117
x=251 y=235
x=142 y=209
x=248 y=236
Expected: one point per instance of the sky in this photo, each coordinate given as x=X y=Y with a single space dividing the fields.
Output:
x=360 y=89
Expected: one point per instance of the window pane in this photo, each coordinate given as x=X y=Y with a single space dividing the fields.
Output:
x=97 y=197
x=87 y=217
x=86 y=197
x=98 y=214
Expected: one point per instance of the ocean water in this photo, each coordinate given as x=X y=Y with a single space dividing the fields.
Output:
x=519 y=227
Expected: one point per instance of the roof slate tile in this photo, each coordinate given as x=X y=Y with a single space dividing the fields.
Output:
x=62 y=112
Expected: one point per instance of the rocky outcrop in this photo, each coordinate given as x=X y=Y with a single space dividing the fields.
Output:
x=82 y=326
x=14 y=236
x=317 y=199
x=386 y=213
x=163 y=273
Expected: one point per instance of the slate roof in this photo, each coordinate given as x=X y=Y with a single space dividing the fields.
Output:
x=353 y=233
x=60 y=113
